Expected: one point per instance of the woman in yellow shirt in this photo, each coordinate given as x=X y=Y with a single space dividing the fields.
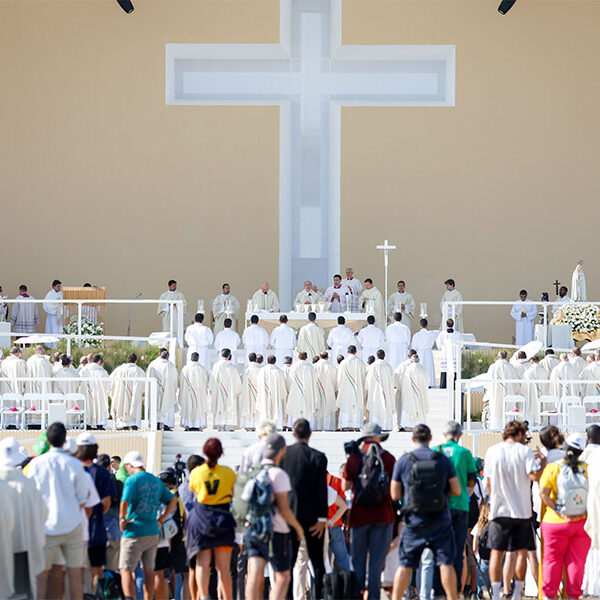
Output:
x=211 y=525
x=563 y=488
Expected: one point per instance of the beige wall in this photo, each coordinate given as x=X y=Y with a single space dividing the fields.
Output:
x=101 y=181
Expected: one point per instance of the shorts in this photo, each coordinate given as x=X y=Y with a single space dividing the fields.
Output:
x=509 y=535
x=178 y=558
x=162 y=561
x=413 y=540
x=531 y=545
x=278 y=553
x=97 y=555
x=70 y=545
x=135 y=549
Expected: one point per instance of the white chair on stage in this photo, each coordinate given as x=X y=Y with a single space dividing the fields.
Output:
x=76 y=409
x=11 y=410
x=513 y=408
x=566 y=402
x=35 y=406
x=549 y=408
x=592 y=407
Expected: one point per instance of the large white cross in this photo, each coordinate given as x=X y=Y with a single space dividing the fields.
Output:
x=310 y=75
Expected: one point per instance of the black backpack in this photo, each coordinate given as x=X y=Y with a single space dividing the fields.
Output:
x=474 y=506
x=372 y=483
x=484 y=547
x=426 y=485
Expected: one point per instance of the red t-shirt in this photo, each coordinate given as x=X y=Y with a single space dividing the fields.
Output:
x=336 y=484
x=359 y=515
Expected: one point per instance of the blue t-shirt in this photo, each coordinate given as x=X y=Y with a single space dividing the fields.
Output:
x=105 y=487
x=144 y=492
x=402 y=469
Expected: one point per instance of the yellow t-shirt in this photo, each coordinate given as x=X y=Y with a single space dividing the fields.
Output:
x=548 y=480
x=212 y=486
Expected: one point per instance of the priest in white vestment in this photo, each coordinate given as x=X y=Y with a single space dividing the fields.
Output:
x=414 y=394
x=249 y=395
x=339 y=295
x=549 y=361
x=355 y=287
x=379 y=384
x=397 y=335
x=499 y=372
x=339 y=339
x=228 y=338
x=255 y=339
x=524 y=312
x=225 y=390
x=24 y=314
x=577 y=360
x=563 y=298
x=371 y=339
x=306 y=295
x=564 y=371
x=371 y=301
x=532 y=391
x=327 y=389
x=69 y=372
x=423 y=342
x=402 y=302
x=591 y=583
x=96 y=392
x=592 y=373
x=39 y=366
x=168 y=383
x=351 y=391
x=127 y=396
x=452 y=295
x=302 y=400
x=311 y=338
x=199 y=339
x=194 y=400
x=265 y=299
x=13 y=366
x=53 y=309
x=283 y=340
x=450 y=343
x=272 y=393
x=164 y=308
x=520 y=362
x=225 y=306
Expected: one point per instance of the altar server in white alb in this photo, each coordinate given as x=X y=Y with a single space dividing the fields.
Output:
x=199 y=339
x=38 y=367
x=255 y=338
x=371 y=301
x=69 y=372
x=351 y=391
x=127 y=395
x=500 y=372
x=524 y=312
x=193 y=394
x=272 y=393
x=549 y=361
x=397 y=336
x=168 y=383
x=355 y=287
x=225 y=306
x=96 y=392
x=225 y=390
x=164 y=308
x=53 y=309
x=520 y=362
x=327 y=390
x=24 y=314
x=339 y=339
x=265 y=299
x=452 y=295
x=302 y=397
x=423 y=342
x=283 y=340
x=449 y=342
x=533 y=390
x=249 y=396
x=311 y=338
x=228 y=338
x=379 y=383
x=413 y=386
x=564 y=371
x=371 y=339
x=403 y=302
x=306 y=295
x=339 y=295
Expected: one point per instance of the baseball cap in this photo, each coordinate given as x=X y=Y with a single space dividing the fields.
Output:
x=373 y=430
x=577 y=441
x=10 y=453
x=85 y=439
x=133 y=458
x=70 y=445
x=273 y=444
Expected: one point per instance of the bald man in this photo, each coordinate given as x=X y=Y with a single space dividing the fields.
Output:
x=266 y=299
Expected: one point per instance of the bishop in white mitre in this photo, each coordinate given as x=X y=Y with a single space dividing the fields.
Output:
x=532 y=391
x=414 y=393
x=249 y=395
x=228 y=338
x=96 y=392
x=452 y=295
x=577 y=360
x=371 y=301
x=564 y=371
x=225 y=390
x=326 y=394
x=379 y=384
x=355 y=287
x=283 y=340
x=351 y=391
x=53 y=309
x=265 y=299
x=69 y=372
x=592 y=373
x=272 y=393
x=339 y=339
x=126 y=395
x=224 y=306
x=164 y=308
x=194 y=402
x=402 y=302
x=255 y=338
x=339 y=295
x=500 y=372
x=302 y=398
x=168 y=383
x=306 y=295
x=371 y=339
x=311 y=338
x=199 y=339
x=39 y=367
x=397 y=335
x=423 y=342
x=524 y=312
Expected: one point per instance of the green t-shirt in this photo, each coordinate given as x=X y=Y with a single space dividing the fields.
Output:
x=464 y=465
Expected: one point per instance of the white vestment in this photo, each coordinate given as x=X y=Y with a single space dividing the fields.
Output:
x=39 y=365
x=533 y=391
x=194 y=402
x=397 y=336
x=13 y=366
x=9 y=499
x=395 y=302
x=303 y=395
x=591 y=373
x=423 y=342
x=227 y=338
x=355 y=287
x=499 y=372
x=559 y=301
x=266 y=301
x=255 y=339
x=66 y=387
x=225 y=390
x=549 y=362
x=304 y=297
x=225 y=306
x=371 y=339
x=283 y=341
x=452 y=296
x=272 y=395
x=96 y=394
x=564 y=371
x=342 y=301
x=351 y=392
x=524 y=325
x=579 y=363
x=379 y=384
x=326 y=388
x=249 y=396
x=338 y=340
x=53 y=311
x=199 y=338
x=168 y=382
x=449 y=342
x=164 y=309
x=373 y=297
x=311 y=339
x=521 y=365
x=127 y=396
x=414 y=395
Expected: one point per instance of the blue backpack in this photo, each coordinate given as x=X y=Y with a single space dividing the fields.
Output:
x=252 y=502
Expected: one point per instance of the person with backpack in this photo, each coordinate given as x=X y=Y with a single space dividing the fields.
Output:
x=367 y=473
x=564 y=490
x=481 y=549
x=425 y=478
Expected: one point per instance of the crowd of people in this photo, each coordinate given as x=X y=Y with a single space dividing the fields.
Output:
x=436 y=520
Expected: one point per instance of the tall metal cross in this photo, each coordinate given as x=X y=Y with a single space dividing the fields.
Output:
x=386 y=248
x=556 y=284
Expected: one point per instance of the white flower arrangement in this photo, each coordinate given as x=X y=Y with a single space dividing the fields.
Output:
x=88 y=327
x=583 y=318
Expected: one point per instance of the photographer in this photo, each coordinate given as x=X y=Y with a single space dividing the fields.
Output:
x=367 y=473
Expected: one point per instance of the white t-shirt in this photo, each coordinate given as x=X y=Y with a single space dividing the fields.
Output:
x=507 y=466
x=280 y=482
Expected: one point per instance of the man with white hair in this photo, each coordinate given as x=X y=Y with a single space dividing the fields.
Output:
x=327 y=386
x=254 y=454
x=355 y=287
x=96 y=392
x=311 y=337
x=499 y=372
x=564 y=371
x=126 y=396
x=351 y=391
x=39 y=366
x=379 y=384
x=194 y=400
x=265 y=299
x=302 y=398
x=272 y=393
x=255 y=338
x=283 y=340
x=306 y=295
x=166 y=374
x=413 y=388
x=225 y=390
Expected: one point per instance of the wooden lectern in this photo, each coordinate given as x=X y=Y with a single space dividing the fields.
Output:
x=94 y=311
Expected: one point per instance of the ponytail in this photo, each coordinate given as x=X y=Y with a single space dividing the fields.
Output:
x=572 y=458
x=213 y=450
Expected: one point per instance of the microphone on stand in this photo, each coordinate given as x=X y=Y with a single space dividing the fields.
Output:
x=129 y=315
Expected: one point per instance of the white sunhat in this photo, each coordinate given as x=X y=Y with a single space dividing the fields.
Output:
x=133 y=458
x=577 y=441
x=70 y=446
x=10 y=453
x=85 y=439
